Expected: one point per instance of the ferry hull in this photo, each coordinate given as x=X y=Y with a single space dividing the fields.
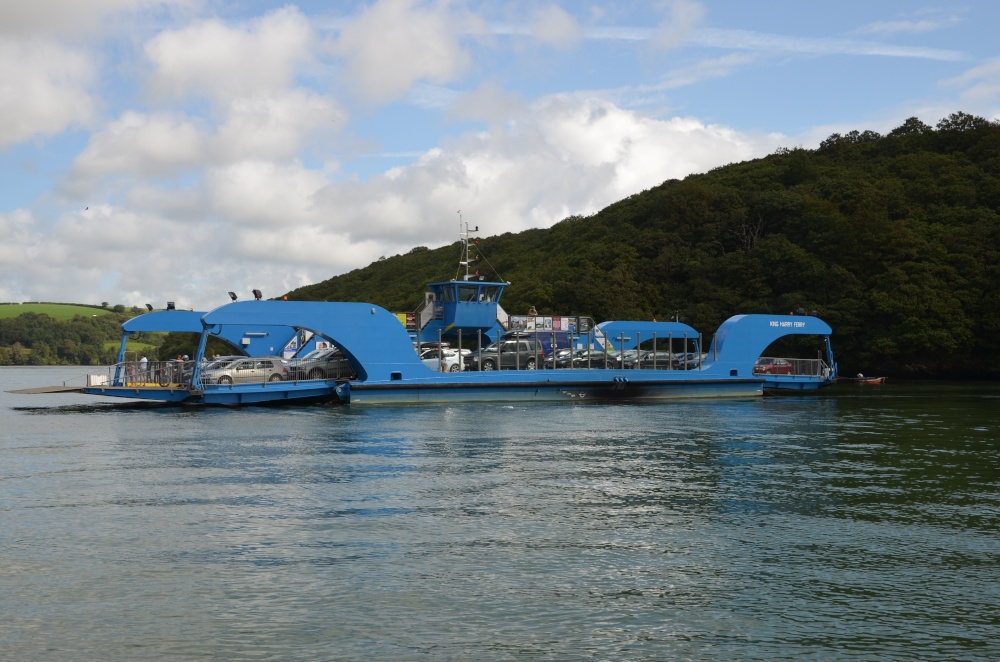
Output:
x=155 y=393
x=228 y=394
x=781 y=383
x=541 y=389
x=604 y=390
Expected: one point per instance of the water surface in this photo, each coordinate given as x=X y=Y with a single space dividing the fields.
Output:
x=857 y=524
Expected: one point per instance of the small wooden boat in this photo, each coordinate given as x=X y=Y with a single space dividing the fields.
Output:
x=870 y=380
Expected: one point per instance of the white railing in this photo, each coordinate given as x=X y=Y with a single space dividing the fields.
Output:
x=777 y=366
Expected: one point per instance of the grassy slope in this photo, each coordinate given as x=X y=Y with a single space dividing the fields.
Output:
x=58 y=311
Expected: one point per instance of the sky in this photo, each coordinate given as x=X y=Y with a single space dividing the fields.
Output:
x=176 y=150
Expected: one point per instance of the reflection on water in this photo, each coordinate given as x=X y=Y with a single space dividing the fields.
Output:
x=860 y=523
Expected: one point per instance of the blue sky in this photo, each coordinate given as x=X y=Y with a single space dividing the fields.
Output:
x=155 y=150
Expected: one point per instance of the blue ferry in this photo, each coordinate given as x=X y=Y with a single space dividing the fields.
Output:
x=379 y=351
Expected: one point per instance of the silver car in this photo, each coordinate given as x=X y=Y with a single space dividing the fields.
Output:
x=250 y=370
x=442 y=360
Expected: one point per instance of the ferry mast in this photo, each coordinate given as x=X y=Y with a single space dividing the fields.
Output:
x=463 y=233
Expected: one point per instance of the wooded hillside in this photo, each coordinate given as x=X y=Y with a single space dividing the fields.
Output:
x=894 y=240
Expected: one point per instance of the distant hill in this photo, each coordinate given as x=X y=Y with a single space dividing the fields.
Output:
x=58 y=311
x=894 y=240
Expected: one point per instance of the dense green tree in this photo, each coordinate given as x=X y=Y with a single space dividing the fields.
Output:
x=894 y=240
x=37 y=339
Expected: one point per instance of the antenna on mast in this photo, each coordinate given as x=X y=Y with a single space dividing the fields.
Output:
x=463 y=233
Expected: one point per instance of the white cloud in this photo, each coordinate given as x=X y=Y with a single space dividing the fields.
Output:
x=220 y=62
x=907 y=26
x=395 y=43
x=143 y=145
x=275 y=126
x=72 y=260
x=721 y=67
x=980 y=85
x=22 y=243
x=44 y=89
x=683 y=17
x=489 y=102
x=166 y=144
x=555 y=26
x=776 y=43
x=921 y=21
x=44 y=16
x=263 y=193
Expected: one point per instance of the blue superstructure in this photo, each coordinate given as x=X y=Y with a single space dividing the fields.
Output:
x=467 y=306
x=385 y=368
x=388 y=370
x=252 y=340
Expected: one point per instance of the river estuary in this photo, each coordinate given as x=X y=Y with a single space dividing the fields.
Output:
x=862 y=523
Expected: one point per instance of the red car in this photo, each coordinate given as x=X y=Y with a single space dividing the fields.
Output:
x=769 y=366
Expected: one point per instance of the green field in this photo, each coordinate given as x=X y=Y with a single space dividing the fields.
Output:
x=58 y=311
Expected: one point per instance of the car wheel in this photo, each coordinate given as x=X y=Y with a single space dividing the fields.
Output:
x=274 y=378
x=225 y=379
x=530 y=365
x=453 y=368
x=489 y=365
x=316 y=373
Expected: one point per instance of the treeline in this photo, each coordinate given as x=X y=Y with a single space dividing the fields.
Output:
x=893 y=239
x=37 y=339
x=119 y=308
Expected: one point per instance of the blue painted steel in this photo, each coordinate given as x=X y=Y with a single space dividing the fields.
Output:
x=159 y=394
x=369 y=336
x=254 y=341
x=741 y=339
x=795 y=382
x=168 y=321
x=469 y=305
x=389 y=370
x=627 y=334
x=577 y=385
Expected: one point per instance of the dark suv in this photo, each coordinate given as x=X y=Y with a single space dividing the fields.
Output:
x=513 y=354
x=321 y=364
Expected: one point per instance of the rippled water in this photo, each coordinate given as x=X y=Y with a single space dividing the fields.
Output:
x=858 y=524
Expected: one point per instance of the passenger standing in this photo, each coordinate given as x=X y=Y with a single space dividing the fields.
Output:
x=143 y=364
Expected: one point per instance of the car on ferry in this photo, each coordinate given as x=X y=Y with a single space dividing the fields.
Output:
x=249 y=370
x=562 y=358
x=771 y=366
x=442 y=360
x=328 y=363
x=595 y=358
x=649 y=360
x=514 y=354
